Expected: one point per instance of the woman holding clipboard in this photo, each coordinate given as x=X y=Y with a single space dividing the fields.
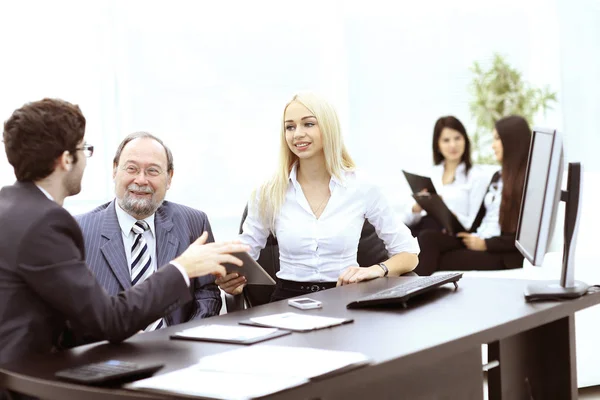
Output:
x=460 y=184
x=492 y=245
x=316 y=204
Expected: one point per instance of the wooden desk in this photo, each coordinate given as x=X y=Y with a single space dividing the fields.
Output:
x=430 y=349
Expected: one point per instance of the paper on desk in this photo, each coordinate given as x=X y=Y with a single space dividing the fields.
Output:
x=226 y=332
x=252 y=372
x=299 y=362
x=195 y=382
x=297 y=322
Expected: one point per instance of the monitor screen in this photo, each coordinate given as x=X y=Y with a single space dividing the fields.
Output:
x=541 y=195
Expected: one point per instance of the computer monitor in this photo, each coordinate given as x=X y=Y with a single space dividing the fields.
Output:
x=541 y=195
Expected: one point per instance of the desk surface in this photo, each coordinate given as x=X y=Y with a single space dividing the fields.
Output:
x=437 y=325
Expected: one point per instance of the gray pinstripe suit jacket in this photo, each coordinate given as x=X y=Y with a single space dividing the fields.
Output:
x=176 y=226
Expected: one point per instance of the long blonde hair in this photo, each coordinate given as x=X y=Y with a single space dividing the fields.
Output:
x=271 y=195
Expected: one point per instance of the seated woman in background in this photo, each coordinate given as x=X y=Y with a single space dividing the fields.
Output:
x=492 y=246
x=460 y=184
x=316 y=205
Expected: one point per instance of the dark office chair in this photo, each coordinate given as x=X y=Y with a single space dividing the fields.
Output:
x=371 y=251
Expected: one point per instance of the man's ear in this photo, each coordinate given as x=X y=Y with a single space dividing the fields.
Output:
x=65 y=161
x=114 y=171
x=169 y=177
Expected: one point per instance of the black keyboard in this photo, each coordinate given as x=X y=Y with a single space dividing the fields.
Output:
x=405 y=290
x=107 y=372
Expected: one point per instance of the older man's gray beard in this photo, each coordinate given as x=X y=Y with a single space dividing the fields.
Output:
x=139 y=208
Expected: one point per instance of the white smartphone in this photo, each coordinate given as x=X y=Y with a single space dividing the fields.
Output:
x=305 y=303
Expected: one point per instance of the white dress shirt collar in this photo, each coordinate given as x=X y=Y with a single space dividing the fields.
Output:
x=48 y=195
x=126 y=221
x=460 y=169
x=334 y=181
x=460 y=172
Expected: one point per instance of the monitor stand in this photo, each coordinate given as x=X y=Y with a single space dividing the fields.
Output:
x=567 y=287
x=552 y=290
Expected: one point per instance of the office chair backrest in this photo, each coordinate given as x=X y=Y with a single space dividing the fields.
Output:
x=371 y=251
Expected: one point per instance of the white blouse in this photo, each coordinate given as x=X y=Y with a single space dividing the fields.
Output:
x=490 y=225
x=463 y=196
x=318 y=250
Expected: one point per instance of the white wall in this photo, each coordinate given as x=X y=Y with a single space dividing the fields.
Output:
x=580 y=77
x=61 y=49
x=211 y=78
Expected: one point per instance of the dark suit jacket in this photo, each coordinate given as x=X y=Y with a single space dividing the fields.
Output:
x=503 y=244
x=176 y=227
x=44 y=281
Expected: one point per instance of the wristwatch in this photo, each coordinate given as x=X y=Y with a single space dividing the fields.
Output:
x=384 y=268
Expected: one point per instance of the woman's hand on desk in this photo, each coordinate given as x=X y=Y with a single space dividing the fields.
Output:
x=472 y=242
x=358 y=274
x=231 y=283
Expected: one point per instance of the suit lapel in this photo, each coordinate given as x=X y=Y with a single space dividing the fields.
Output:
x=167 y=243
x=482 y=210
x=113 y=248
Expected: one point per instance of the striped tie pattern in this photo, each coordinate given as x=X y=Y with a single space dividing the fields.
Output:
x=141 y=263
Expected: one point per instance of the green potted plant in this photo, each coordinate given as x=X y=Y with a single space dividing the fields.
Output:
x=497 y=92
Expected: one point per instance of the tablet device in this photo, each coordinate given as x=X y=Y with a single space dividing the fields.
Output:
x=254 y=273
x=229 y=334
x=417 y=183
x=436 y=208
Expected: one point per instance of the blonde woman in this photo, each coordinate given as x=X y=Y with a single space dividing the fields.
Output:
x=316 y=205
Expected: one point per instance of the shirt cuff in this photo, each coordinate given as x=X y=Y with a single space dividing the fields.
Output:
x=182 y=270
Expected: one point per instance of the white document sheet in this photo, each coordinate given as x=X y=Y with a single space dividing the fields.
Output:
x=194 y=382
x=226 y=332
x=297 y=322
x=251 y=372
x=301 y=362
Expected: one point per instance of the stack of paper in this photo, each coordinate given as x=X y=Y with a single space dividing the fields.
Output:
x=194 y=382
x=283 y=361
x=229 y=334
x=252 y=372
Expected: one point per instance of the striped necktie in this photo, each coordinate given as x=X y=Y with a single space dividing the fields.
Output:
x=141 y=263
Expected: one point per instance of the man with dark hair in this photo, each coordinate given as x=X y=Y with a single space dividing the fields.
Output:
x=142 y=172
x=45 y=281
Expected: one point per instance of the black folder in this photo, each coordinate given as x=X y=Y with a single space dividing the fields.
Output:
x=436 y=208
x=418 y=182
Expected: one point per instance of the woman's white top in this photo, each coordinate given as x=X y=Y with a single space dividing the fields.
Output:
x=490 y=225
x=463 y=195
x=318 y=250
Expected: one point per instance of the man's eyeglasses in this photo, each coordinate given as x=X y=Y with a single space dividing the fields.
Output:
x=88 y=150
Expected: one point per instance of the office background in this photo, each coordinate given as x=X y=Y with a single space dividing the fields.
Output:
x=211 y=79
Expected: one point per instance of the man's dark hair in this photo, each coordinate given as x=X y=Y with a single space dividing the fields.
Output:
x=37 y=134
x=137 y=135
